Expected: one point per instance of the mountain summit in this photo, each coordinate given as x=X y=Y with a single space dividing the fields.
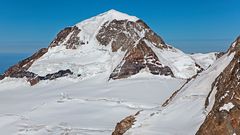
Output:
x=113 y=43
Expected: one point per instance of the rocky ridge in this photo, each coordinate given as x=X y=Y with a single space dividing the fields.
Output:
x=224 y=118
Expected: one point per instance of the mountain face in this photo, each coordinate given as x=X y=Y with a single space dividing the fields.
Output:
x=224 y=118
x=112 y=42
x=111 y=74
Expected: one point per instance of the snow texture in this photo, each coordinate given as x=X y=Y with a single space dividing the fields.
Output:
x=73 y=106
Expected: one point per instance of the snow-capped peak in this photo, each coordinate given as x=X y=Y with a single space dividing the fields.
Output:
x=113 y=43
x=93 y=24
x=114 y=14
x=109 y=16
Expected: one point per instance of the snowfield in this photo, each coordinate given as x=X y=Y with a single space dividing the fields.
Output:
x=93 y=105
x=85 y=107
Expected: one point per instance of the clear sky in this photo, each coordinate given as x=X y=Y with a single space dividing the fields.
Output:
x=190 y=25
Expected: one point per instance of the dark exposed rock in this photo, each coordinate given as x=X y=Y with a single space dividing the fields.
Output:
x=61 y=73
x=61 y=36
x=200 y=69
x=124 y=125
x=74 y=40
x=35 y=78
x=227 y=84
x=139 y=57
x=58 y=74
x=22 y=74
x=1 y=77
x=120 y=32
x=124 y=34
x=219 y=54
x=72 y=43
x=24 y=65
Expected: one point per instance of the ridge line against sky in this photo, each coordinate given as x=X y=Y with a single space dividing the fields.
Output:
x=192 y=26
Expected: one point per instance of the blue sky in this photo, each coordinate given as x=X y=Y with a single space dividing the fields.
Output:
x=190 y=25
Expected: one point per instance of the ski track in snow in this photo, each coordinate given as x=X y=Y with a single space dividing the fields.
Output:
x=61 y=129
x=112 y=101
x=87 y=107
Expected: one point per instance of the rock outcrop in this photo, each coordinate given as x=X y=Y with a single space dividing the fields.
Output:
x=33 y=78
x=23 y=65
x=68 y=37
x=1 y=77
x=62 y=73
x=224 y=118
x=139 y=57
x=124 y=125
x=219 y=54
x=123 y=34
x=131 y=37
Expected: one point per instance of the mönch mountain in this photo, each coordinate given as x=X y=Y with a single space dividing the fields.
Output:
x=114 y=42
x=112 y=74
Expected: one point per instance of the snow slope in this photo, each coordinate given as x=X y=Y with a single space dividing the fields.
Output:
x=186 y=112
x=74 y=106
x=180 y=63
x=204 y=60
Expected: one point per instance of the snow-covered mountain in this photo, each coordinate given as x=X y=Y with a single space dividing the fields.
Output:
x=113 y=43
x=108 y=67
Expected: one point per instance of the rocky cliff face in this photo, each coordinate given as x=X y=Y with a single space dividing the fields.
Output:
x=123 y=34
x=139 y=57
x=68 y=37
x=224 y=118
x=131 y=37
